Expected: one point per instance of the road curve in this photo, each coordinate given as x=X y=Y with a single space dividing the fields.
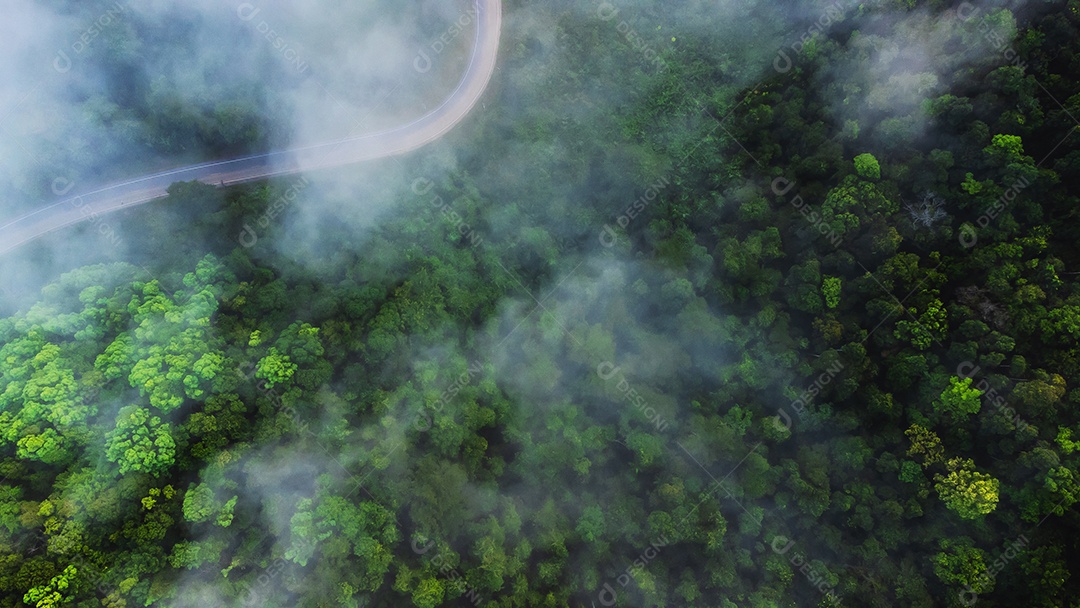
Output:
x=391 y=142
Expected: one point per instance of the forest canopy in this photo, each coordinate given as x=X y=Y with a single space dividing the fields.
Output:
x=684 y=329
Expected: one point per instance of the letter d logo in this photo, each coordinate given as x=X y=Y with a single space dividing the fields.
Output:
x=608 y=236
x=248 y=237
x=607 y=595
x=61 y=186
x=247 y=11
x=607 y=11
x=781 y=186
x=606 y=370
x=422 y=63
x=968 y=236
x=967 y=369
x=62 y=63
x=421 y=550
x=422 y=186
x=782 y=67
x=780 y=540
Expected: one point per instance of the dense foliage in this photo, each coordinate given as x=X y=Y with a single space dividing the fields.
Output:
x=808 y=340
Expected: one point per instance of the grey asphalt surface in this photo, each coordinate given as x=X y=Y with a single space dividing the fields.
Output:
x=99 y=201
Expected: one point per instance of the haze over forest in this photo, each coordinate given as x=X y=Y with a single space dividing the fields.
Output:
x=726 y=303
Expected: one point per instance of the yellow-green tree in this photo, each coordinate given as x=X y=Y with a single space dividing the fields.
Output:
x=926 y=444
x=53 y=593
x=969 y=493
x=867 y=166
x=275 y=368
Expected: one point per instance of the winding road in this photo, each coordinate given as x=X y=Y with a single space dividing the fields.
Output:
x=398 y=140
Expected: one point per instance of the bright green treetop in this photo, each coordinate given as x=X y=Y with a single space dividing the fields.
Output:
x=867 y=166
x=199 y=503
x=959 y=400
x=966 y=491
x=140 y=442
x=830 y=289
x=275 y=368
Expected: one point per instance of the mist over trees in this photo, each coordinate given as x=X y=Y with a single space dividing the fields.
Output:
x=709 y=304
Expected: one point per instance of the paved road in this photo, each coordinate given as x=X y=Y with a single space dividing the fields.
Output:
x=424 y=130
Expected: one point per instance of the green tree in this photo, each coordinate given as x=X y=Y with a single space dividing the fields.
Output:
x=1051 y=492
x=275 y=368
x=1066 y=442
x=867 y=166
x=591 y=524
x=1041 y=395
x=830 y=290
x=971 y=185
x=366 y=530
x=199 y=503
x=925 y=444
x=1008 y=150
x=193 y=554
x=56 y=592
x=225 y=514
x=429 y=592
x=1047 y=568
x=140 y=442
x=853 y=202
x=966 y=491
x=959 y=400
x=932 y=325
x=47 y=447
x=961 y=565
x=1062 y=325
